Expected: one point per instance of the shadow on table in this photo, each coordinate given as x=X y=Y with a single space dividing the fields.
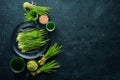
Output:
x=113 y=65
x=24 y=76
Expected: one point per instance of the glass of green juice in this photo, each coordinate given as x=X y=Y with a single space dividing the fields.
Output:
x=50 y=26
x=17 y=64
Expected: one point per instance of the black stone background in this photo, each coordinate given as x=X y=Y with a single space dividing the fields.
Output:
x=89 y=30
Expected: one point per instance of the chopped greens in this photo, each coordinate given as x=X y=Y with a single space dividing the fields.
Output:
x=32 y=65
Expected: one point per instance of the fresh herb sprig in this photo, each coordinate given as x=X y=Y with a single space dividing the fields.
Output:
x=51 y=52
x=47 y=68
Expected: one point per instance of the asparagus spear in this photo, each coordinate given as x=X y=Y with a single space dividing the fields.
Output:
x=52 y=51
x=31 y=39
x=30 y=34
x=47 y=68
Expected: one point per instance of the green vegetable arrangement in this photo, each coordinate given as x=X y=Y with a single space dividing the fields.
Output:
x=47 y=68
x=31 y=39
x=52 y=51
x=35 y=38
x=32 y=12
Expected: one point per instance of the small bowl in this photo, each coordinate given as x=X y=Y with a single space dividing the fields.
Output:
x=17 y=64
x=50 y=26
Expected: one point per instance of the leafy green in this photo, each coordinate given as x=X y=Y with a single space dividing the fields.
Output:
x=31 y=16
x=31 y=39
x=33 y=13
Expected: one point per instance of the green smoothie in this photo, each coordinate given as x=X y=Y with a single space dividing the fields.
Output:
x=17 y=64
x=50 y=26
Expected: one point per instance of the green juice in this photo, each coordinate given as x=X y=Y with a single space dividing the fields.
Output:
x=17 y=64
x=50 y=26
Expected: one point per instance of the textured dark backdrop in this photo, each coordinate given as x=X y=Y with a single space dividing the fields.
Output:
x=88 y=29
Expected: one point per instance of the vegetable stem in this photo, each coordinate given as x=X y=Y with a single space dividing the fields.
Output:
x=31 y=39
x=47 y=68
x=52 y=51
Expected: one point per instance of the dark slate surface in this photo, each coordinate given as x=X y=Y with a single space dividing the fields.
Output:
x=88 y=29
